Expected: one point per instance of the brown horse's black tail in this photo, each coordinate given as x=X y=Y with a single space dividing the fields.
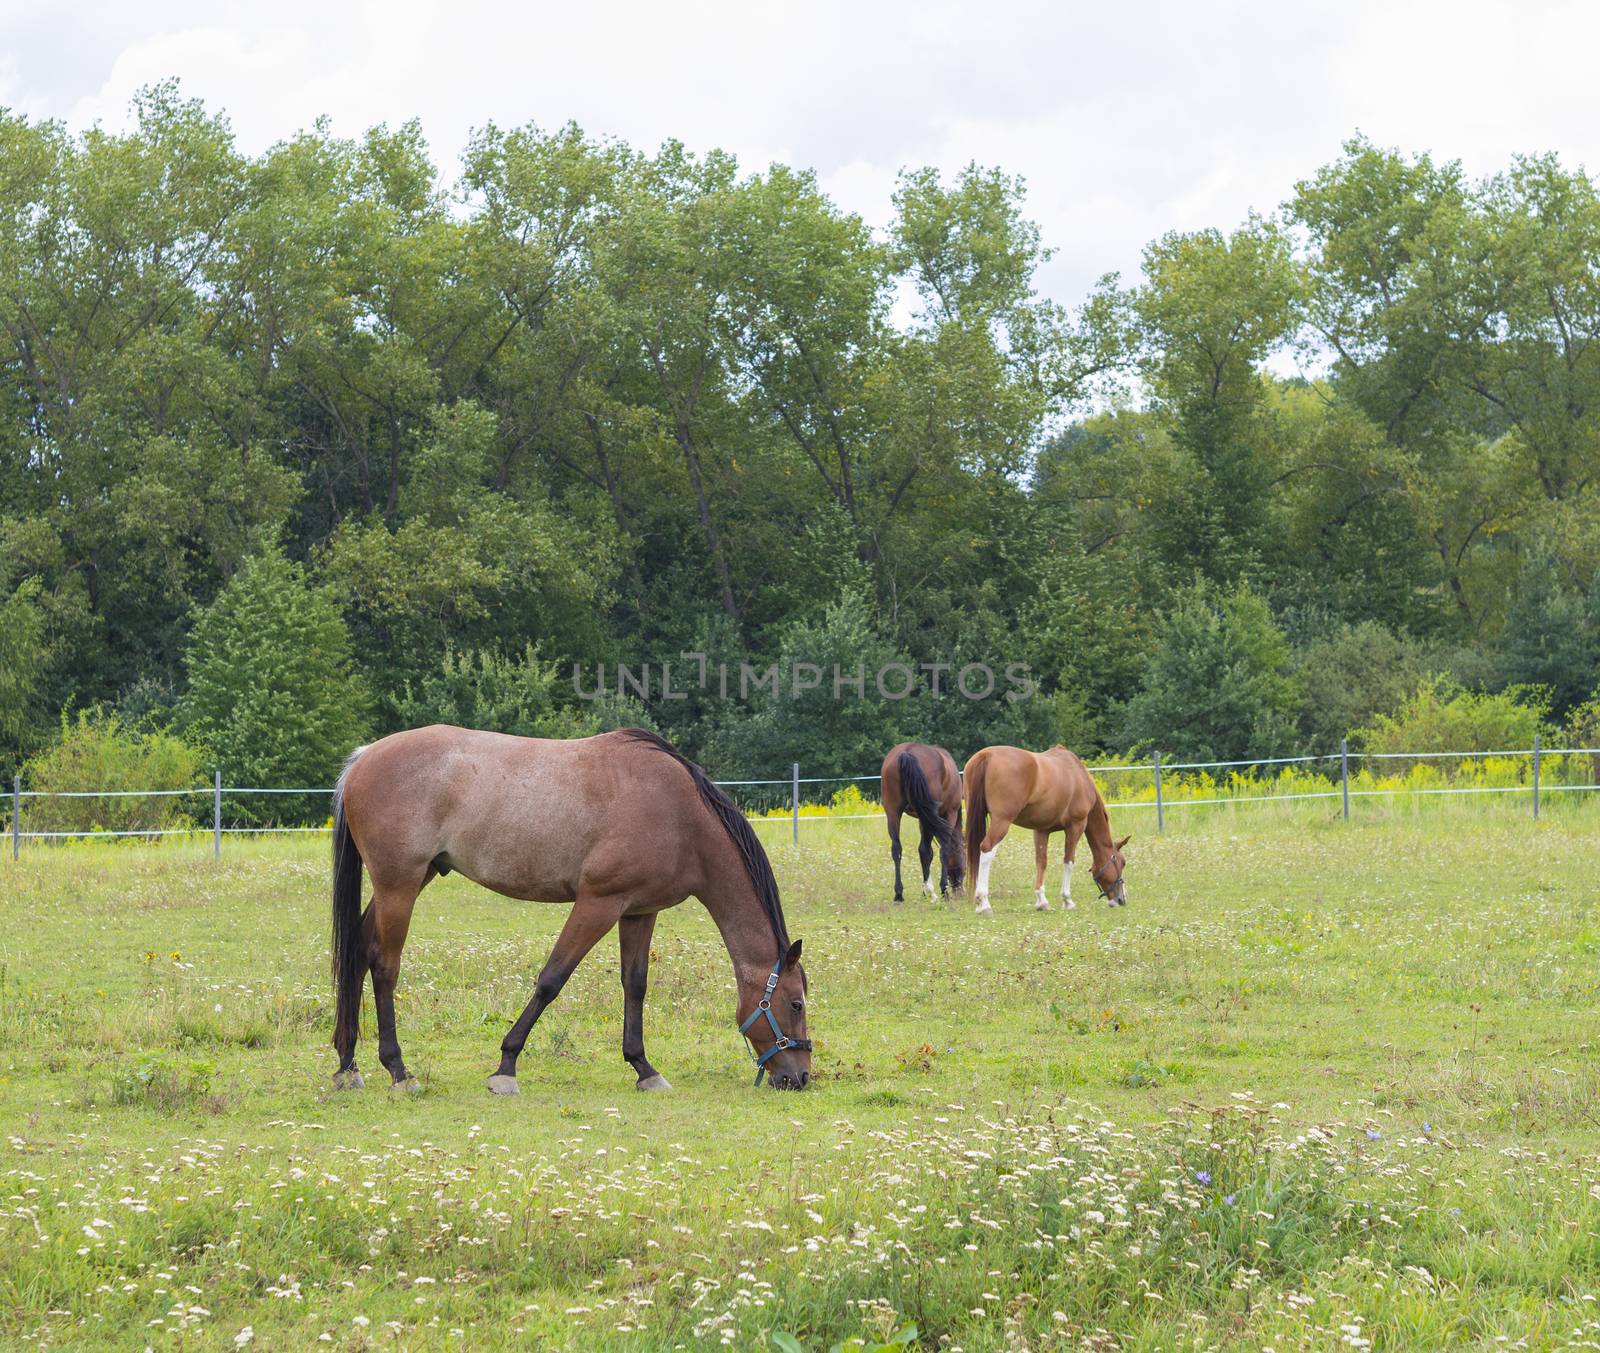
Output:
x=977 y=809
x=919 y=798
x=349 y=957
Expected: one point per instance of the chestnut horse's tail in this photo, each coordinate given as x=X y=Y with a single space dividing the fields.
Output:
x=349 y=958
x=919 y=798
x=977 y=808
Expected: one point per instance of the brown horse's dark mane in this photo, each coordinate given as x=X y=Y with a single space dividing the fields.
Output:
x=739 y=831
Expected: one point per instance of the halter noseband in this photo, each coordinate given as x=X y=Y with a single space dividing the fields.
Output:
x=1105 y=892
x=780 y=1039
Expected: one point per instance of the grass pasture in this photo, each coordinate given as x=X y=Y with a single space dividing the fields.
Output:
x=1320 y=1085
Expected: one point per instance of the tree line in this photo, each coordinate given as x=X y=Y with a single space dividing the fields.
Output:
x=301 y=447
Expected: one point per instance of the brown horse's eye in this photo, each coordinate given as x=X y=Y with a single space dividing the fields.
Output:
x=796 y=1007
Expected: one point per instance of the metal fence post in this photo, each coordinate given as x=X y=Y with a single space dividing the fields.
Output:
x=1535 y=777
x=1161 y=821
x=16 y=815
x=796 y=803
x=216 y=819
x=1344 y=774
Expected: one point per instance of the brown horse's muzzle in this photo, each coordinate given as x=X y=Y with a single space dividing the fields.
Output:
x=790 y=1071
x=786 y=1059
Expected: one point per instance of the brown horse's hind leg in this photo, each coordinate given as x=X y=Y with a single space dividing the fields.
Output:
x=387 y=920
x=348 y=1011
x=634 y=933
x=892 y=817
x=925 y=855
x=588 y=920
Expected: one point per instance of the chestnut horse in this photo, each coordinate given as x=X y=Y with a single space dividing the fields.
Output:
x=923 y=779
x=1049 y=792
x=620 y=825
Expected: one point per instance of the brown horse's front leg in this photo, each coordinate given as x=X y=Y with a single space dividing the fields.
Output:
x=634 y=932
x=1074 y=831
x=588 y=920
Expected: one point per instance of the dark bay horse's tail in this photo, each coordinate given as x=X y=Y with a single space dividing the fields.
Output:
x=977 y=810
x=349 y=957
x=919 y=798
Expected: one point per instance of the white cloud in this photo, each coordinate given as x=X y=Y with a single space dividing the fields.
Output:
x=1125 y=121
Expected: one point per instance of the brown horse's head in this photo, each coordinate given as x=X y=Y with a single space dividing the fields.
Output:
x=789 y=1067
x=1107 y=875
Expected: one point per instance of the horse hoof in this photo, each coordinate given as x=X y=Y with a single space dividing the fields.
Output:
x=347 y=1080
x=502 y=1085
x=409 y=1086
x=1067 y=904
x=984 y=909
x=655 y=1082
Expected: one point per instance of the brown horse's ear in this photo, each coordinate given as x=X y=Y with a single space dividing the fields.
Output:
x=793 y=956
x=1118 y=845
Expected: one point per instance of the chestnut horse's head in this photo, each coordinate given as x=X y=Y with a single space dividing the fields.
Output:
x=1107 y=875
x=772 y=1015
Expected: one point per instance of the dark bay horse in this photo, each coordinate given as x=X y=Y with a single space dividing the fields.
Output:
x=1049 y=792
x=620 y=825
x=923 y=780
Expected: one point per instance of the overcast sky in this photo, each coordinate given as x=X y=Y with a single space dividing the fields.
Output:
x=1127 y=120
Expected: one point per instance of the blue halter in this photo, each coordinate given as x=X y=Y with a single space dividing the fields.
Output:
x=780 y=1039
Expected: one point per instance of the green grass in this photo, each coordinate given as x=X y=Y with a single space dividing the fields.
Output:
x=1318 y=1084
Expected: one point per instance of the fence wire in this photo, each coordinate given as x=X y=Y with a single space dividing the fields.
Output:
x=793 y=816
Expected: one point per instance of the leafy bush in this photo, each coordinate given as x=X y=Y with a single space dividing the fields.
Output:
x=1583 y=730
x=1219 y=686
x=97 y=752
x=1441 y=717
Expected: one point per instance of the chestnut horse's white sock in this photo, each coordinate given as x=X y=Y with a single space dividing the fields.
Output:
x=985 y=860
x=1066 y=887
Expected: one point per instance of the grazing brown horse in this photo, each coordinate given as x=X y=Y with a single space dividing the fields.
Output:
x=1050 y=792
x=620 y=825
x=923 y=779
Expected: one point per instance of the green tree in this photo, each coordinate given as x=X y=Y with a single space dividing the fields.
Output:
x=272 y=696
x=1350 y=675
x=23 y=659
x=508 y=693
x=462 y=563
x=1552 y=632
x=805 y=717
x=1211 y=309
x=1220 y=686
